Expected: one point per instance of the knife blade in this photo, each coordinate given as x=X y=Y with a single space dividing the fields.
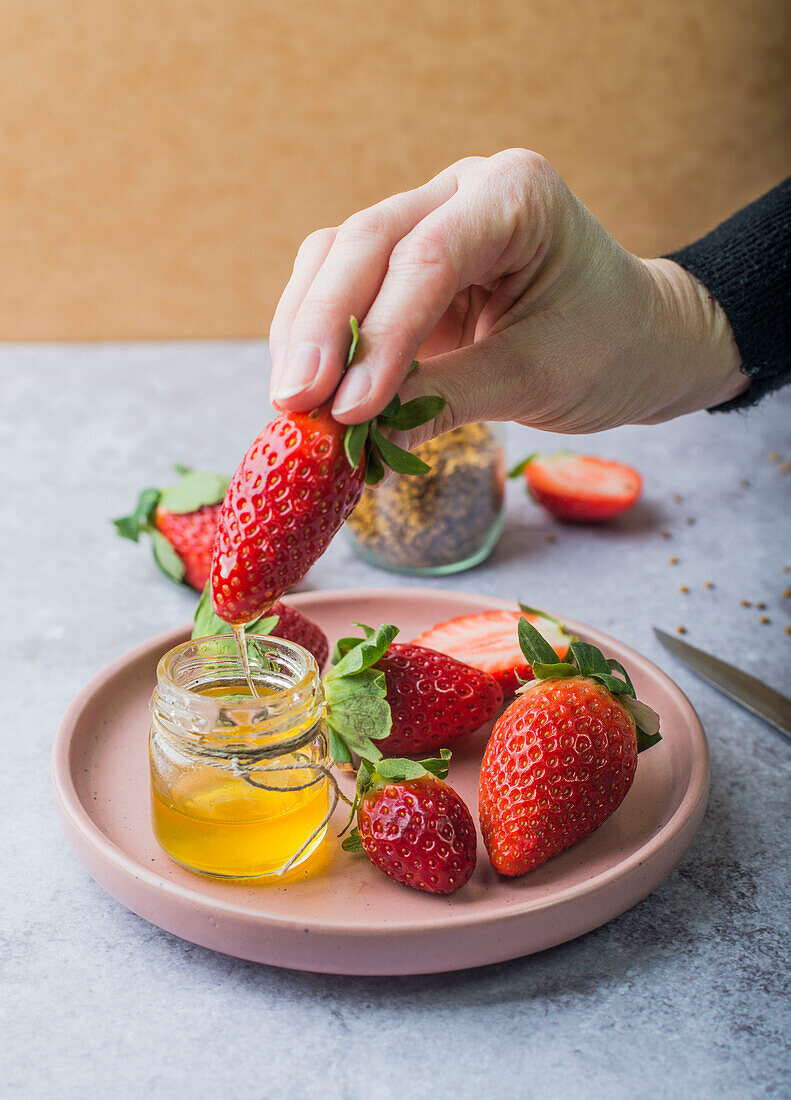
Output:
x=746 y=690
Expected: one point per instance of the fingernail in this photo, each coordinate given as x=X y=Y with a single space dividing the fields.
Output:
x=300 y=369
x=356 y=387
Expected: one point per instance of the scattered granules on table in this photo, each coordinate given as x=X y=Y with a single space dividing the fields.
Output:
x=551 y=538
x=745 y=603
x=681 y=630
x=683 y=588
x=691 y=521
x=442 y=517
x=788 y=630
x=773 y=456
x=761 y=606
x=787 y=568
x=744 y=483
x=666 y=535
x=674 y=560
x=784 y=467
x=677 y=498
x=709 y=584
x=764 y=619
x=787 y=594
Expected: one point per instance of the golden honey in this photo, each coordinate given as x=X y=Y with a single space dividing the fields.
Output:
x=239 y=784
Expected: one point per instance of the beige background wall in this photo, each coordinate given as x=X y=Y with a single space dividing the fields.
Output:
x=161 y=160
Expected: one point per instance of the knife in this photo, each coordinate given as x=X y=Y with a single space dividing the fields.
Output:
x=745 y=689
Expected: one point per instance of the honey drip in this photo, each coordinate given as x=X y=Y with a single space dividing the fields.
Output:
x=241 y=645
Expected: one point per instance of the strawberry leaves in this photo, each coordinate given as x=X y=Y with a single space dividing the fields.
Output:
x=520 y=467
x=587 y=660
x=391 y=770
x=129 y=527
x=166 y=557
x=196 y=489
x=357 y=709
x=366 y=439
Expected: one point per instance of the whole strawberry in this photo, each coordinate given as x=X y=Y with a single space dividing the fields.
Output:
x=282 y=621
x=434 y=700
x=291 y=493
x=182 y=522
x=562 y=757
x=294 y=488
x=413 y=826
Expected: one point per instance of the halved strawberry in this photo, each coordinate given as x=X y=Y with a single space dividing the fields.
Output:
x=488 y=641
x=582 y=488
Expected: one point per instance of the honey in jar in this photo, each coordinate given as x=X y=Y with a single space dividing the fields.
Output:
x=239 y=778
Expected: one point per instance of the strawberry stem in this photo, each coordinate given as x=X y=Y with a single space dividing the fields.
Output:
x=366 y=439
x=589 y=661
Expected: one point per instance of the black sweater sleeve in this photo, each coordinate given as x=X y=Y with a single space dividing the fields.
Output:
x=745 y=263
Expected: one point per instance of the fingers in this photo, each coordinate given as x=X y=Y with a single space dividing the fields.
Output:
x=461 y=243
x=345 y=283
x=309 y=259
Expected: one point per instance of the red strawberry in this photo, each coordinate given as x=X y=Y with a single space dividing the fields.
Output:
x=488 y=641
x=562 y=757
x=296 y=627
x=413 y=826
x=581 y=488
x=291 y=493
x=294 y=488
x=433 y=700
x=182 y=521
x=282 y=621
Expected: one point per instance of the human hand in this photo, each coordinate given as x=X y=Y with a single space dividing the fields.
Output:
x=517 y=302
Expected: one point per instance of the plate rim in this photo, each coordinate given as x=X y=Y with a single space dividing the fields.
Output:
x=74 y=814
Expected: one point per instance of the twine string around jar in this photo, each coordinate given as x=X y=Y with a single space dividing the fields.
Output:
x=242 y=764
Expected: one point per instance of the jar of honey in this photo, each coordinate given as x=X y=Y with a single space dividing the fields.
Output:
x=240 y=781
x=442 y=521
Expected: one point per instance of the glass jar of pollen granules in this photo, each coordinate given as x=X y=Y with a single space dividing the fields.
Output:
x=443 y=521
x=240 y=784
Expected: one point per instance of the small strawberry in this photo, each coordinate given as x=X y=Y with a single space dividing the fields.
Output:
x=581 y=488
x=562 y=757
x=433 y=700
x=413 y=826
x=294 y=488
x=282 y=621
x=488 y=641
x=182 y=521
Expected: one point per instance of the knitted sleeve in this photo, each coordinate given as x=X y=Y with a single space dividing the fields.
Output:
x=745 y=263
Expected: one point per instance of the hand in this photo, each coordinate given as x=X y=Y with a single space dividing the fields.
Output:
x=517 y=302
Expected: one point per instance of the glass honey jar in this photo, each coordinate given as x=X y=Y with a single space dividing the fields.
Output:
x=443 y=521
x=240 y=783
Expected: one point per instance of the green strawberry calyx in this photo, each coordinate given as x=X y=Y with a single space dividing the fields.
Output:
x=585 y=659
x=520 y=467
x=357 y=710
x=195 y=489
x=207 y=624
x=367 y=439
x=391 y=770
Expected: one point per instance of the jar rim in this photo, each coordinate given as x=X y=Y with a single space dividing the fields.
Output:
x=292 y=705
x=309 y=670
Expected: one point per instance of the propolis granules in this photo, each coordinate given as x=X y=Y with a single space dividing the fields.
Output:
x=443 y=521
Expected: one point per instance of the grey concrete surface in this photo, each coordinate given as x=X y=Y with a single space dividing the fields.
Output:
x=685 y=995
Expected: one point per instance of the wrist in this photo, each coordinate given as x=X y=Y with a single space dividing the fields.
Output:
x=695 y=342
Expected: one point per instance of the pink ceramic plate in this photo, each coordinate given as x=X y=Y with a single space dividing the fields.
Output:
x=336 y=913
